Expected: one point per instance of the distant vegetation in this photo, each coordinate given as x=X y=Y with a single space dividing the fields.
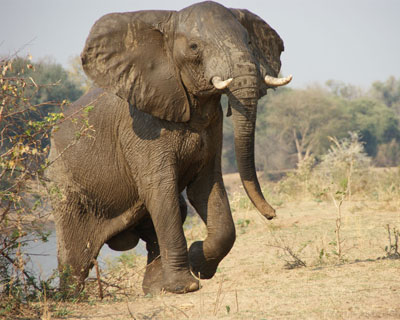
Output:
x=292 y=124
x=295 y=124
x=324 y=138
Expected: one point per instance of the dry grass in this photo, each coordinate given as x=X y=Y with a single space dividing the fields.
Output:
x=253 y=281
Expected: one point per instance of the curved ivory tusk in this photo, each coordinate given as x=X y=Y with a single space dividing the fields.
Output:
x=219 y=84
x=277 y=82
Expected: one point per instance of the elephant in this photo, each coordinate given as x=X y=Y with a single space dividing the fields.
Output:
x=156 y=131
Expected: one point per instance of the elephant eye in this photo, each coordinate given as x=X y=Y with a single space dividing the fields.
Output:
x=193 y=46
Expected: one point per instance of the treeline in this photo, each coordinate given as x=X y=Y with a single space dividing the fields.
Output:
x=294 y=125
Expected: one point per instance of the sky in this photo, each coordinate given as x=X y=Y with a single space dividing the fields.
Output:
x=353 y=41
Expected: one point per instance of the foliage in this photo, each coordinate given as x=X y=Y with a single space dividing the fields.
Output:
x=342 y=170
x=294 y=124
x=33 y=95
x=27 y=119
x=49 y=83
x=376 y=123
x=388 y=92
x=302 y=119
x=344 y=91
x=388 y=154
x=345 y=159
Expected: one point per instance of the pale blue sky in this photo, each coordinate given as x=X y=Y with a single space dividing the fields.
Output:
x=355 y=41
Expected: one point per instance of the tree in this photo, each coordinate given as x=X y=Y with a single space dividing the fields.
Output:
x=376 y=123
x=301 y=120
x=51 y=83
x=388 y=92
x=342 y=90
x=388 y=154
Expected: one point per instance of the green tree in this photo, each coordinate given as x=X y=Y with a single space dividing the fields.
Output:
x=343 y=90
x=388 y=92
x=300 y=120
x=376 y=123
x=388 y=154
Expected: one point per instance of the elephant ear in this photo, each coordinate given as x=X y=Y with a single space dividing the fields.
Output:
x=266 y=44
x=127 y=54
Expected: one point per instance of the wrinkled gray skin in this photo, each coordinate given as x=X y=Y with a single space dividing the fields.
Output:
x=158 y=130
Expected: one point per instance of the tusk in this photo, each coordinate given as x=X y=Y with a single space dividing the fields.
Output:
x=277 y=82
x=219 y=84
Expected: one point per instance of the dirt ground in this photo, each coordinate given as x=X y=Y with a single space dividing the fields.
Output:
x=288 y=268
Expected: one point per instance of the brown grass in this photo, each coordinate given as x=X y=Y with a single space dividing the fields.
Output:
x=253 y=281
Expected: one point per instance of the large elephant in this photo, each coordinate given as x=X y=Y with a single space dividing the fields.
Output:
x=157 y=122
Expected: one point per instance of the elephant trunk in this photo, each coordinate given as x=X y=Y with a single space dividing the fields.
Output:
x=243 y=101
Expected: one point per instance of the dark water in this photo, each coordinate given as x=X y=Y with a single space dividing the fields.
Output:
x=43 y=255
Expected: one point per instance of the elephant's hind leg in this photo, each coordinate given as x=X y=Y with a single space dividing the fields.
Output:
x=78 y=244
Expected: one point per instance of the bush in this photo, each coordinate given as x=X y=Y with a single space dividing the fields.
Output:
x=26 y=121
x=343 y=169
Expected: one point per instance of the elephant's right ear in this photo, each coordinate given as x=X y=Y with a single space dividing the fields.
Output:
x=265 y=42
x=127 y=54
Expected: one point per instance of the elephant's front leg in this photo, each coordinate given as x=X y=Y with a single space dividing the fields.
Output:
x=153 y=277
x=164 y=207
x=207 y=194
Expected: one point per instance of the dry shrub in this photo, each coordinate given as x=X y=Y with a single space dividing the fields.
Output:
x=345 y=169
x=25 y=127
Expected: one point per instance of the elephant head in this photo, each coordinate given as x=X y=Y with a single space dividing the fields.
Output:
x=169 y=64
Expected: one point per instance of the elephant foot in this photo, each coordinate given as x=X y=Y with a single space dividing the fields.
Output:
x=71 y=284
x=154 y=283
x=182 y=282
x=200 y=266
x=153 y=277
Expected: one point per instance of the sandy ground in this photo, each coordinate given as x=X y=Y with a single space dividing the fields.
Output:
x=261 y=278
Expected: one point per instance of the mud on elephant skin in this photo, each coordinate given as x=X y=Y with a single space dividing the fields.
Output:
x=157 y=123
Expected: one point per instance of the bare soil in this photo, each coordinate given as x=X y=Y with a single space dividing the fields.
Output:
x=264 y=276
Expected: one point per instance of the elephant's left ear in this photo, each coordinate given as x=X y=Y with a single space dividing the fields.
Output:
x=266 y=44
x=128 y=54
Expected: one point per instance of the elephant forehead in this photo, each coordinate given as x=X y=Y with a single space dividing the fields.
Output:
x=207 y=17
